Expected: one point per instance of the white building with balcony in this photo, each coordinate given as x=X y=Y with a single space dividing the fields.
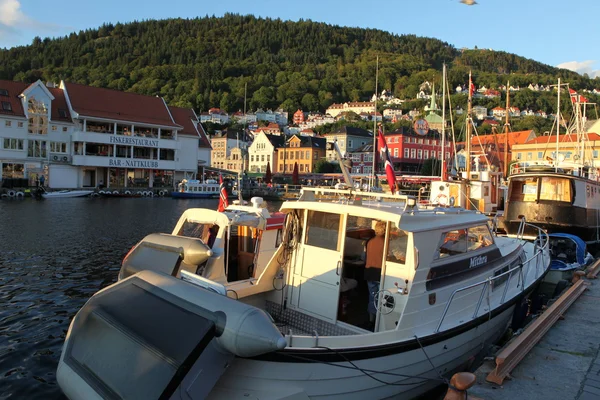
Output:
x=81 y=136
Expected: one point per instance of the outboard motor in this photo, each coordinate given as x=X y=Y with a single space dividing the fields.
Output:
x=165 y=253
x=154 y=336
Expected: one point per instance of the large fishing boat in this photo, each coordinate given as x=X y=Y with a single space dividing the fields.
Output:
x=559 y=194
x=245 y=304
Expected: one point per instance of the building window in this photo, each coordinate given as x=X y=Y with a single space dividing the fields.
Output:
x=426 y=154
x=54 y=127
x=268 y=158
x=281 y=167
x=62 y=113
x=406 y=153
x=3 y=92
x=7 y=124
x=595 y=153
x=406 y=139
x=413 y=153
x=6 y=106
x=64 y=129
x=315 y=155
x=396 y=152
x=19 y=124
x=58 y=147
x=432 y=153
x=518 y=156
x=13 y=144
x=38 y=117
x=420 y=154
x=420 y=141
x=36 y=148
x=413 y=140
x=529 y=156
x=447 y=155
x=541 y=154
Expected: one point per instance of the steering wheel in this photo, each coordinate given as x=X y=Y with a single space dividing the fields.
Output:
x=387 y=303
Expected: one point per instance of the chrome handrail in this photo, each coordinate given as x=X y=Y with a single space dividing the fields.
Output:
x=540 y=248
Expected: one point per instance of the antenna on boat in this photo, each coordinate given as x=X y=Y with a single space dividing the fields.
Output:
x=443 y=159
x=506 y=129
x=468 y=143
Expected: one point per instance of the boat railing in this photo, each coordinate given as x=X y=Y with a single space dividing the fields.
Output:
x=322 y=193
x=540 y=246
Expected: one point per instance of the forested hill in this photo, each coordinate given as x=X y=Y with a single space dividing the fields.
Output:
x=206 y=62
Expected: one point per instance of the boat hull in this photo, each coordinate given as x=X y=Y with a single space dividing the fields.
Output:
x=553 y=217
x=66 y=194
x=186 y=195
x=296 y=374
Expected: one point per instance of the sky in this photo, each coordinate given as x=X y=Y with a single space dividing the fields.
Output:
x=560 y=33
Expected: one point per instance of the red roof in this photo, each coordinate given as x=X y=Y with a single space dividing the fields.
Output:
x=571 y=137
x=96 y=102
x=14 y=90
x=59 y=103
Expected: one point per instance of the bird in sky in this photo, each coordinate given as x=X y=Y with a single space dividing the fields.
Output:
x=468 y=2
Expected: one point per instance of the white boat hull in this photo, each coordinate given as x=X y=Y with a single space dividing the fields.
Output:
x=313 y=380
x=67 y=193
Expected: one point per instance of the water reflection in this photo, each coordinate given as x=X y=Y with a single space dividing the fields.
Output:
x=54 y=255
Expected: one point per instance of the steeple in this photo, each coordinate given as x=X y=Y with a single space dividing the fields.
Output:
x=432 y=105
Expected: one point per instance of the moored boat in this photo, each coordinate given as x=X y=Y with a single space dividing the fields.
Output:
x=66 y=193
x=569 y=254
x=195 y=189
x=225 y=307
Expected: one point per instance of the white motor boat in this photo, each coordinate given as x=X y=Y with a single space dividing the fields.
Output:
x=240 y=304
x=66 y=193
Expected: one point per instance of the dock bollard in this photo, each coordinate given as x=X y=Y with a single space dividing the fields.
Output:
x=460 y=382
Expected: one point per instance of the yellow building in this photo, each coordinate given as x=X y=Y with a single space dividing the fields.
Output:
x=302 y=150
x=543 y=149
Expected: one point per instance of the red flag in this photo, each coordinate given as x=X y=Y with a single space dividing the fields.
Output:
x=574 y=95
x=471 y=86
x=385 y=157
x=223 y=200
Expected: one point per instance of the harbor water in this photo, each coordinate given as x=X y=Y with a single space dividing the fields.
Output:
x=54 y=255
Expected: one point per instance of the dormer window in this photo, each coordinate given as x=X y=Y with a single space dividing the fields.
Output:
x=3 y=92
x=6 y=106
x=38 y=117
x=62 y=113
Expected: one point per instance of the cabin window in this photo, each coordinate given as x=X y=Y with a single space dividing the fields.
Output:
x=453 y=242
x=323 y=230
x=479 y=237
x=524 y=189
x=398 y=242
x=555 y=189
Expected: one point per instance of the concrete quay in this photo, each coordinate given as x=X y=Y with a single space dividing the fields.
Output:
x=564 y=364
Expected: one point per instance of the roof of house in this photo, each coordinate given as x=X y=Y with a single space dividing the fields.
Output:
x=276 y=140
x=367 y=148
x=518 y=137
x=186 y=118
x=312 y=141
x=351 y=131
x=569 y=137
x=14 y=89
x=97 y=102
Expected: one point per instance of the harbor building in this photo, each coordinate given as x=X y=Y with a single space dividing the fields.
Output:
x=81 y=136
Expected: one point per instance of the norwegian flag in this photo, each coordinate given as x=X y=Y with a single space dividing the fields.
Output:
x=384 y=154
x=574 y=96
x=223 y=200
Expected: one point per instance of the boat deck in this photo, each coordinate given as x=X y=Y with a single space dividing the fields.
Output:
x=565 y=363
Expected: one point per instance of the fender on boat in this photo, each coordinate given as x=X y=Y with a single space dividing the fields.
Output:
x=155 y=336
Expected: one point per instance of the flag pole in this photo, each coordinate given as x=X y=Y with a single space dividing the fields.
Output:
x=468 y=145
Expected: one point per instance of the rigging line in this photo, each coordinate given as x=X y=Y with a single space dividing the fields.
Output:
x=366 y=371
x=431 y=362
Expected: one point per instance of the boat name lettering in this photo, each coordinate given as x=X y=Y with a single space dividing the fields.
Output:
x=477 y=261
x=132 y=163
x=134 y=141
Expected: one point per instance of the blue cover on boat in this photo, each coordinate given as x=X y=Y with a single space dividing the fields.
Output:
x=580 y=251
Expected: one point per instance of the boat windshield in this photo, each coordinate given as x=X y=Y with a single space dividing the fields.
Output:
x=204 y=231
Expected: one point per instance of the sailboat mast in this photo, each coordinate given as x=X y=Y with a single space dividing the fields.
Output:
x=506 y=129
x=468 y=143
x=374 y=172
x=556 y=159
x=443 y=164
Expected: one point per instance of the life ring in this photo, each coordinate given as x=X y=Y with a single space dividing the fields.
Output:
x=441 y=199
x=150 y=193
x=95 y=195
x=127 y=192
x=20 y=194
x=12 y=193
x=138 y=193
x=102 y=192
x=145 y=193
x=115 y=192
x=161 y=193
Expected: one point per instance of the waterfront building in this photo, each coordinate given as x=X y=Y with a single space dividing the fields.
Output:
x=362 y=160
x=278 y=116
x=302 y=150
x=81 y=136
x=410 y=150
x=543 y=148
x=229 y=151
x=348 y=139
x=263 y=151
